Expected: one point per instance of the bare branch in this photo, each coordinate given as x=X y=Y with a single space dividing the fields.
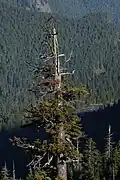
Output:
x=69 y=57
x=17 y=141
x=31 y=162
x=38 y=161
x=48 y=163
x=72 y=160
x=68 y=140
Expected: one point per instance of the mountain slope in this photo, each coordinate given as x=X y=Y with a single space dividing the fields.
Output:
x=76 y=8
x=40 y=5
x=79 y=8
x=96 y=52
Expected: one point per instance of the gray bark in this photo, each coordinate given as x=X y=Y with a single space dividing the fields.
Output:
x=61 y=164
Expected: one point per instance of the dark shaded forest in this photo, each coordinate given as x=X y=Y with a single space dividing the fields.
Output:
x=95 y=124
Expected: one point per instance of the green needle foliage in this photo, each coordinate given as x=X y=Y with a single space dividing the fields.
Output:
x=91 y=161
x=47 y=114
x=116 y=159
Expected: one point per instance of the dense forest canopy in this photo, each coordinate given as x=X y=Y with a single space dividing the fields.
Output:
x=93 y=40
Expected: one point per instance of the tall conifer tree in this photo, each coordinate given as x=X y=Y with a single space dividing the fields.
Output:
x=56 y=114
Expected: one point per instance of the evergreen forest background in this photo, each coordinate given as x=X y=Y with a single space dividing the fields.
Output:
x=94 y=41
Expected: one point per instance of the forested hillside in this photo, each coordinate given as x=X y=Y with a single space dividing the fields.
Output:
x=93 y=40
x=79 y=8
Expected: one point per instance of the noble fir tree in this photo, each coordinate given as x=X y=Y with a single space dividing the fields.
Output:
x=4 y=175
x=91 y=164
x=54 y=111
x=116 y=160
x=13 y=174
x=111 y=158
x=108 y=165
x=30 y=175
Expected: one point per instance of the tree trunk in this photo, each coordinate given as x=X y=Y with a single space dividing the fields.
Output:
x=62 y=170
x=61 y=164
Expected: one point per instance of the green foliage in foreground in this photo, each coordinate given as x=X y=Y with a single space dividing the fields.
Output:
x=93 y=165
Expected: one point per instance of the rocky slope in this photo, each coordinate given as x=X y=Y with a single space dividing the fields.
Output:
x=76 y=8
x=40 y=5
